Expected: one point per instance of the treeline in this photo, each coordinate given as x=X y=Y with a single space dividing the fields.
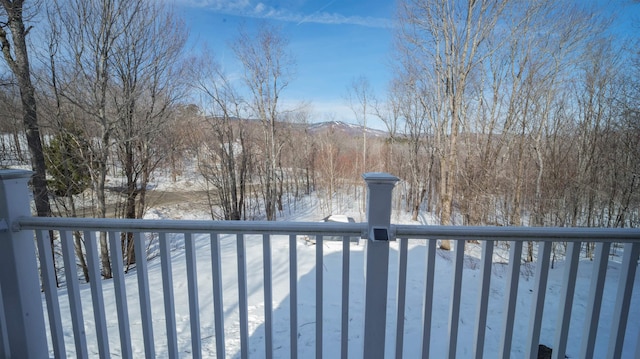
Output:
x=517 y=113
x=500 y=112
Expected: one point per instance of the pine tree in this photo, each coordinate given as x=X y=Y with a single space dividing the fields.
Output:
x=66 y=165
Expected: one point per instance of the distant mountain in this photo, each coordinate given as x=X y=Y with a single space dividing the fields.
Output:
x=345 y=128
x=337 y=127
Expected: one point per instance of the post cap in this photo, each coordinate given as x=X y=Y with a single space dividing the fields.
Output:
x=7 y=174
x=379 y=177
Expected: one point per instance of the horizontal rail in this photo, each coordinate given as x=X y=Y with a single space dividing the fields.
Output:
x=517 y=234
x=334 y=229
x=192 y=226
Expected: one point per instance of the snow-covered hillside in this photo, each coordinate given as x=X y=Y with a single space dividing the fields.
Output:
x=348 y=129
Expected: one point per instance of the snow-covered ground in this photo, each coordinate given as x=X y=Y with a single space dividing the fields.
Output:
x=307 y=210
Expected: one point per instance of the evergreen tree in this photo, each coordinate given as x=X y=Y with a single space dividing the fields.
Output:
x=66 y=165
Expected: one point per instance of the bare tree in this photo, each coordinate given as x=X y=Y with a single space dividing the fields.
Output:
x=13 y=40
x=329 y=151
x=301 y=152
x=11 y=123
x=226 y=164
x=389 y=113
x=16 y=55
x=268 y=67
x=113 y=63
x=360 y=99
x=87 y=32
x=408 y=94
x=447 y=40
x=148 y=79
x=178 y=141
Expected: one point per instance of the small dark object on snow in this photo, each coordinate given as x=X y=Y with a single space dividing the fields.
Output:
x=544 y=352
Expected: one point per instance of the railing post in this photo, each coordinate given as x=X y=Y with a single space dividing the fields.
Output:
x=19 y=278
x=376 y=262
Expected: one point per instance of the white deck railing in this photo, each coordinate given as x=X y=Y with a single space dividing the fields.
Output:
x=23 y=331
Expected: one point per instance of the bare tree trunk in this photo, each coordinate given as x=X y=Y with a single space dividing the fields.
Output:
x=78 y=243
x=19 y=64
x=268 y=68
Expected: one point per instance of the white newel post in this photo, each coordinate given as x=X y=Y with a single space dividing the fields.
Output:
x=380 y=186
x=19 y=277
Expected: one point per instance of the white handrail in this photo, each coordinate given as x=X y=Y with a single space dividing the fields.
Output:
x=549 y=234
x=192 y=226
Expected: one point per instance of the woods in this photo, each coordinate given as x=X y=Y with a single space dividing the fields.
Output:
x=503 y=86
x=499 y=112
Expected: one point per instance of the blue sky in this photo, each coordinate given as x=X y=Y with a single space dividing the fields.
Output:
x=333 y=42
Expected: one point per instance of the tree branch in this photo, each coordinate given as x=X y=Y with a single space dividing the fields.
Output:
x=6 y=49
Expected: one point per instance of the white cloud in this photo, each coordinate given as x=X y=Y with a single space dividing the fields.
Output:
x=260 y=7
x=260 y=10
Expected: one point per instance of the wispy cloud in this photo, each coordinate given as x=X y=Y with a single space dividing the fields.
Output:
x=260 y=10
